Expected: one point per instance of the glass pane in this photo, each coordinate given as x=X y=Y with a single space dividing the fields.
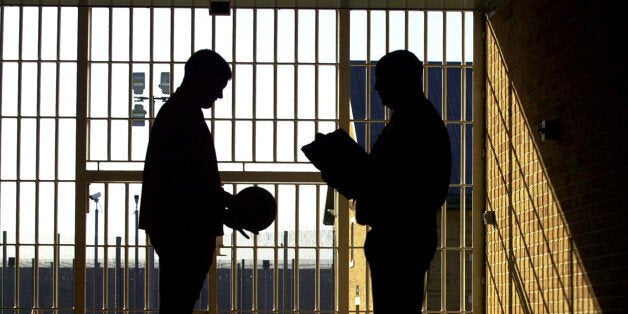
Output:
x=244 y=35
x=285 y=35
x=265 y=35
x=120 y=34
x=99 y=34
x=162 y=36
x=30 y=33
x=182 y=34
x=327 y=36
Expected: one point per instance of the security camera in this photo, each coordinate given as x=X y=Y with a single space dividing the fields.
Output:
x=94 y=197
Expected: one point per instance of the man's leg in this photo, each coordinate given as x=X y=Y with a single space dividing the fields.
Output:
x=183 y=267
x=397 y=275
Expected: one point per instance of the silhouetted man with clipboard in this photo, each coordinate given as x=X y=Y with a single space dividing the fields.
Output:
x=398 y=187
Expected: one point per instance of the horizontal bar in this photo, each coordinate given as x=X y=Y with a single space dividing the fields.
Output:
x=280 y=4
x=226 y=177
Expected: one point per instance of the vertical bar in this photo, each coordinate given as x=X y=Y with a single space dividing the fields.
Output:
x=479 y=190
x=406 y=29
x=130 y=90
x=55 y=274
x=4 y=238
x=82 y=100
x=367 y=107
x=254 y=274
x=425 y=54
x=317 y=259
x=109 y=85
x=253 y=158
x=275 y=87
x=276 y=252
x=297 y=64
x=445 y=253
x=295 y=264
x=284 y=296
x=254 y=93
x=192 y=34
x=105 y=243
x=118 y=288
x=463 y=170
x=386 y=30
x=234 y=117
x=125 y=287
x=55 y=281
x=148 y=257
x=316 y=72
x=37 y=153
x=18 y=152
x=151 y=61
x=344 y=77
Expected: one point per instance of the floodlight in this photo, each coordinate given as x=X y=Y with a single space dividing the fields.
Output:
x=138 y=82
x=138 y=114
x=164 y=83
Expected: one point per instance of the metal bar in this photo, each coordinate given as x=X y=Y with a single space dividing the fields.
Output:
x=317 y=266
x=283 y=4
x=37 y=153
x=18 y=152
x=130 y=89
x=105 y=244
x=444 y=230
x=254 y=94
x=463 y=163
x=295 y=264
x=276 y=249
x=4 y=240
x=56 y=259
x=479 y=186
x=342 y=233
x=81 y=200
x=297 y=66
x=275 y=85
x=234 y=114
x=109 y=84
x=125 y=304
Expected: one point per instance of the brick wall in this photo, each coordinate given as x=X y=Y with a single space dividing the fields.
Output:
x=359 y=275
x=560 y=243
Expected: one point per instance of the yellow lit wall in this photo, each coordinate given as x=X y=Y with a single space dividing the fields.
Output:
x=559 y=241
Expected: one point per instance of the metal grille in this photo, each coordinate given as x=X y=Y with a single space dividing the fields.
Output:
x=74 y=127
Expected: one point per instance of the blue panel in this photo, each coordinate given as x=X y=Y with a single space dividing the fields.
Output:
x=453 y=94
x=378 y=111
x=469 y=153
x=469 y=100
x=454 y=138
x=435 y=87
x=358 y=90
x=357 y=95
x=376 y=129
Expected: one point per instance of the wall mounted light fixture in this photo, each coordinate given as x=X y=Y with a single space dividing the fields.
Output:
x=488 y=217
x=550 y=130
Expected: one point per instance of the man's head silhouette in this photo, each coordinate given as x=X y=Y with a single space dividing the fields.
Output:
x=206 y=75
x=398 y=78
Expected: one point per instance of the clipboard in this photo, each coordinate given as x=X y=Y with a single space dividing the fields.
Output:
x=339 y=158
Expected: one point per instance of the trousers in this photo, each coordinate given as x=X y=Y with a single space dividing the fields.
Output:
x=183 y=266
